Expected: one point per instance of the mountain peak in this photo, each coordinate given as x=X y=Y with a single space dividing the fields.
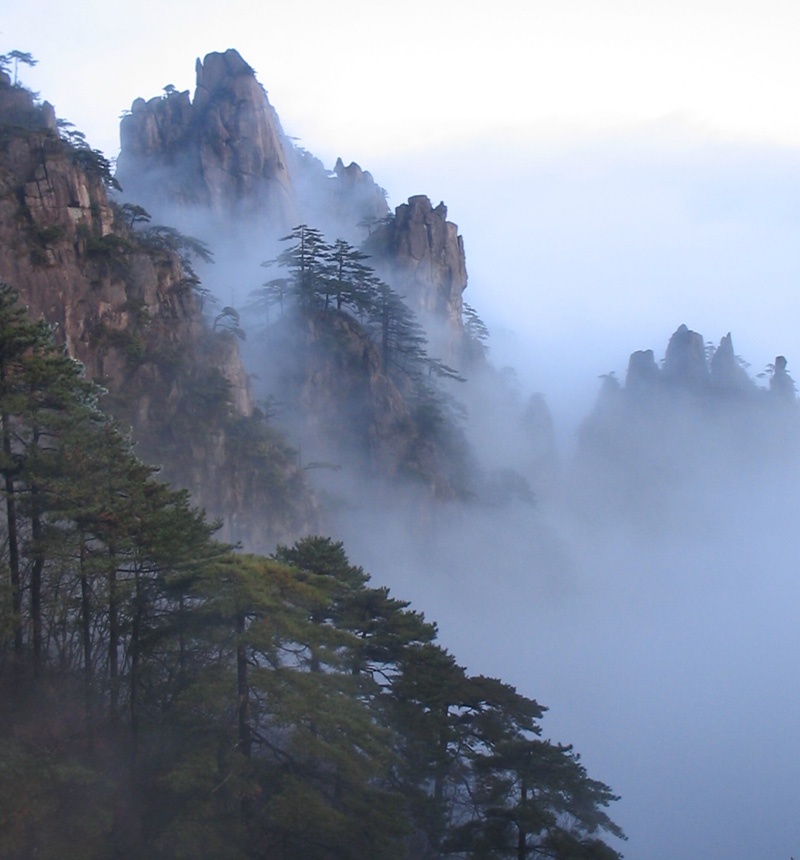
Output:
x=224 y=150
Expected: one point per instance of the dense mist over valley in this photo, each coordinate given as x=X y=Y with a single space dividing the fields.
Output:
x=612 y=531
x=647 y=595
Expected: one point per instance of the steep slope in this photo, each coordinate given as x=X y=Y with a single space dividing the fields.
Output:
x=124 y=302
x=223 y=156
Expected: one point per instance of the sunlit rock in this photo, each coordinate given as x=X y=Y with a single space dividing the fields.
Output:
x=224 y=150
x=425 y=257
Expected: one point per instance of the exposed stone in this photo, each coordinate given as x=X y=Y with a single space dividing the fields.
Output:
x=225 y=150
x=425 y=257
x=643 y=371
x=727 y=374
x=359 y=194
x=685 y=361
x=780 y=383
x=346 y=409
x=126 y=311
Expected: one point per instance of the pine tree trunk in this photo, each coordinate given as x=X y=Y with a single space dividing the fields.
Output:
x=36 y=570
x=136 y=629
x=245 y=740
x=13 y=539
x=86 y=641
x=113 y=641
x=522 y=835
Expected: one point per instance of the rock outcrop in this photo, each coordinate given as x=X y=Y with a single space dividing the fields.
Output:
x=223 y=155
x=643 y=371
x=689 y=366
x=224 y=150
x=725 y=371
x=122 y=303
x=347 y=410
x=424 y=258
x=685 y=360
x=781 y=384
x=359 y=194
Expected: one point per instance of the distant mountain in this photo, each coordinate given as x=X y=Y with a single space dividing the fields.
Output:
x=683 y=428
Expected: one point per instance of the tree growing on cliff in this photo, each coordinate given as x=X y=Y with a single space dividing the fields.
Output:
x=240 y=706
x=16 y=57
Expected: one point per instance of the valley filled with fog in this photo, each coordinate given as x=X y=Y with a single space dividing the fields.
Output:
x=659 y=625
x=660 y=630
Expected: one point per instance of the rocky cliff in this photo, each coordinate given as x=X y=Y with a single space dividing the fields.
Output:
x=223 y=151
x=124 y=305
x=423 y=257
x=224 y=154
x=350 y=411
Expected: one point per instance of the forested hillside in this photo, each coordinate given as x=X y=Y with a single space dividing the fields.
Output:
x=125 y=298
x=165 y=695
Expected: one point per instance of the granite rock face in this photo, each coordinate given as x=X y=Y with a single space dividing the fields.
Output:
x=359 y=193
x=642 y=370
x=425 y=258
x=224 y=151
x=225 y=154
x=725 y=371
x=124 y=307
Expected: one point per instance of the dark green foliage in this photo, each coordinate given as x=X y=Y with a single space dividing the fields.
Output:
x=164 y=696
x=323 y=277
x=133 y=214
x=48 y=235
x=476 y=331
x=188 y=249
x=129 y=343
x=91 y=161
x=322 y=283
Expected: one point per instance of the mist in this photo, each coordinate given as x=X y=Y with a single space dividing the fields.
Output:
x=662 y=632
x=649 y=603
x=659 y=627
x=582 y=248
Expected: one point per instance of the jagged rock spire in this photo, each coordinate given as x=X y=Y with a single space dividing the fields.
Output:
x=224 y=150
x=726 y=372
x=427 y=258
x=685 y=361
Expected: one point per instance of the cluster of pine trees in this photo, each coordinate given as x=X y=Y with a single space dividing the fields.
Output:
x=164 y=695
x=321 y=277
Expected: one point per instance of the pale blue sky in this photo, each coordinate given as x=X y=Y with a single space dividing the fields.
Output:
x=378 y=76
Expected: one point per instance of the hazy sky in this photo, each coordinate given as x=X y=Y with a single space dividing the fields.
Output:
x=616 y=168
x=364 y=78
